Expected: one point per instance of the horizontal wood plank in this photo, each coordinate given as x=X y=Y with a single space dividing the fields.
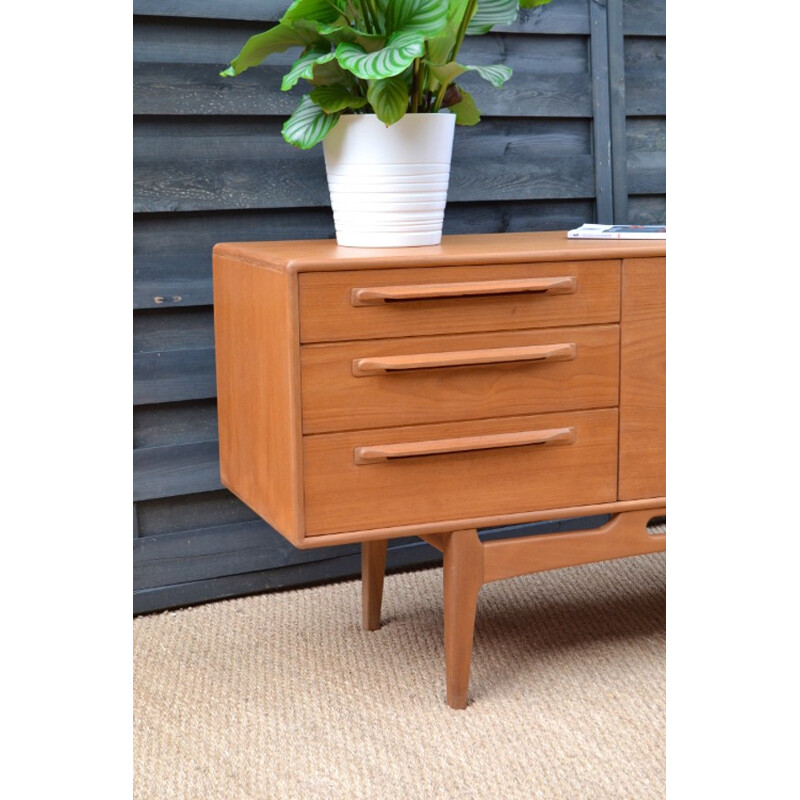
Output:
x=175 y=470
x=213 y=46
x=648 y=210
x=191 y=185
x=244 y=165
x=647 y=173
x=191 y=512
x=646 y=144
x=645 y=76
x=403 y=556
x=259 y=139
x=233 y=9
x=197 y=89
x=169 y=289
x=162 y=425
x=562 y=16
x=186 y=239
x=178 y=271
x=217 y=551
x=645 y=97
x=644 y=17
x=646 y=135
x=165 y=377
x=174 y=329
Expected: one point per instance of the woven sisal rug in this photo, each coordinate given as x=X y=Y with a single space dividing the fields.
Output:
x=282 y=695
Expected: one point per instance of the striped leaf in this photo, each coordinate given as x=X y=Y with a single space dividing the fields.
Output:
x=308 y=125
x=427 y=17
x=336 y=98
x=490 y=13
x=275 y=40
x=496 y=74
x=400 y=51
x=304 y=67
x=388 y=98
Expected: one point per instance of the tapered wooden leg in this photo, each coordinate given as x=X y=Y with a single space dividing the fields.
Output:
x=463 y=577
x=373 y=567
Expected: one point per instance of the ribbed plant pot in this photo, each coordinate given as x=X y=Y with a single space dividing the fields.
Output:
x=388 y=185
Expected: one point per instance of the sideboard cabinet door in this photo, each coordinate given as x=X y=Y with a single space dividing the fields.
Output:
x=642 y=404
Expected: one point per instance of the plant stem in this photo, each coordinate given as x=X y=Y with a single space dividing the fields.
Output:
x=462 y=28
x=437 y=103
x=335 y=7
x=363 y=88
x=425 y=81
x=358 y=21
x=462 y=32
x=372 y=16
x=415 y=87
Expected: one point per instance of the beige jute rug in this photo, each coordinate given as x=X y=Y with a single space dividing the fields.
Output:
x=282 y=695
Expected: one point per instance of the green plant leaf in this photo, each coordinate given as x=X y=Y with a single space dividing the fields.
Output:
x=427 y=17
x=308 y=125
x=496 y=74
x=439 y=48
x=304 y=66
x=400 y=51
x=331 y=74
x=466 y=111
x=490 y=13
x=343 y=33
x=326 y=11
x=336 y=98
x=456 y=10
x=275 y=40
x=445 y=73
x=388 y=98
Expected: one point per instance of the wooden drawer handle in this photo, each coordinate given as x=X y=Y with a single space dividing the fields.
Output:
x=379 y=453
x=380 y=365
x=438 y=291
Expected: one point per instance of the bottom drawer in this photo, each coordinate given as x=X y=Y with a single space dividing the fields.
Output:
x=457 y=471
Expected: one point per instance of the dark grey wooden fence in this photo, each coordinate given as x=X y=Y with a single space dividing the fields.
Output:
x=577 y=135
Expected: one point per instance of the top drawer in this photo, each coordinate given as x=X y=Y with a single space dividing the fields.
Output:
x=373 y=304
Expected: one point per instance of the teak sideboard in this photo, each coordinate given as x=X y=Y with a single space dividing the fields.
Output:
x=491 y=380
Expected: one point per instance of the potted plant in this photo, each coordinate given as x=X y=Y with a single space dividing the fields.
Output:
x=384 y=102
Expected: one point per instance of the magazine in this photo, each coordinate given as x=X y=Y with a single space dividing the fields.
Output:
x=591 y=231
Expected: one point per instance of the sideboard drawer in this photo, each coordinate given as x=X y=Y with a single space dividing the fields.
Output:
x=426 y=379
x=456 y=471
x=369 y=304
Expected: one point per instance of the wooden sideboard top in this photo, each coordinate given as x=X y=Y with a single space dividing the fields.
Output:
x=321 y=255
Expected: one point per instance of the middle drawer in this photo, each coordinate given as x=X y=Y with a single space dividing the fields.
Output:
x=426 y=379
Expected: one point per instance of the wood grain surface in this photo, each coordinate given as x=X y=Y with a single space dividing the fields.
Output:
x=642 y=467
x=334 y=398
x=341 y=495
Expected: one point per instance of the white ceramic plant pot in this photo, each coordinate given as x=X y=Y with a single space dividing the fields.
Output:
x=388 y=185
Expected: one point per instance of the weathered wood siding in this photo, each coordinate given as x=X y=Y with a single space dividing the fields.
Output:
x=576 y=136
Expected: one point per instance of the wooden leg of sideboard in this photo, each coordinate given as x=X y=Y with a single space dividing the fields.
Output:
x=373 y=568
x=463 y=578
